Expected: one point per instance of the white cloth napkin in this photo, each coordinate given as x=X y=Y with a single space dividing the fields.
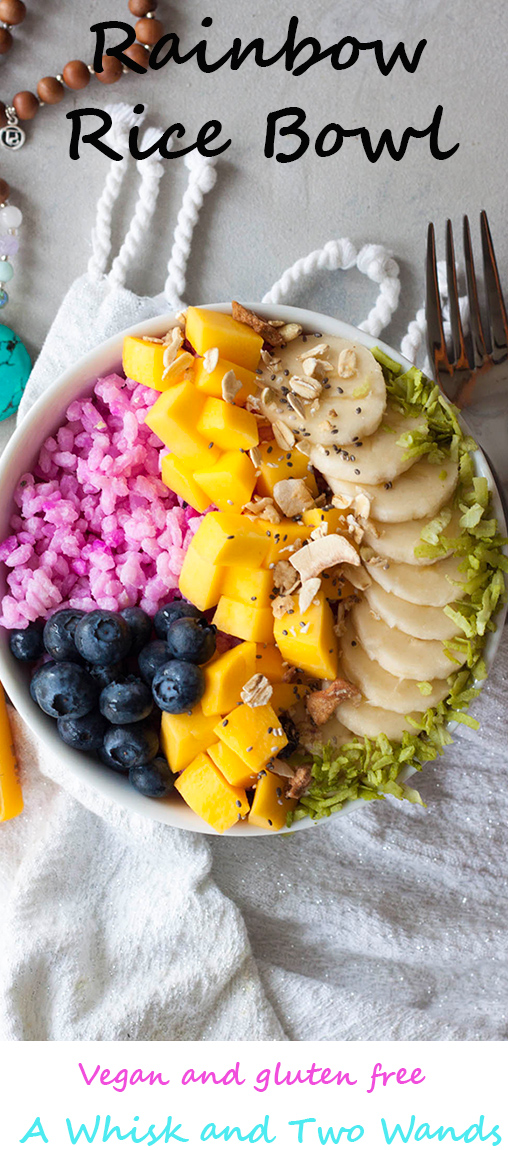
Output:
x=389 y=923
x=112 y=925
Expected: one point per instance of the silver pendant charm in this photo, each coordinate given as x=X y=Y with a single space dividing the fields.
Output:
x=12 y=136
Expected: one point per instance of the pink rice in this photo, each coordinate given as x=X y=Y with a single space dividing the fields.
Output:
x=96 y=526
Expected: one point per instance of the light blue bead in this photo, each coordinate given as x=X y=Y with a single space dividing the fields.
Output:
x=6 y=271
x=16 y=368
x=4 y=298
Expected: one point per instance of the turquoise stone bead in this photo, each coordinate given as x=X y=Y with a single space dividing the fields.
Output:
x=15 y=367
x=6 y=271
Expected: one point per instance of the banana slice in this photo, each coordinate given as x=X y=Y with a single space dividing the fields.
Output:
x=400 y=654
x=345 y=407
x=420 y=622
x=331 y=732
x=376 y=458
x=379 y=687
x=364 y=719
x=420 y=492
x=433 y=586
x=397 y=541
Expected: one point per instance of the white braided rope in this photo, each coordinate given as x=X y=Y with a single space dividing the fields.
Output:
x=373 y=260
x=378 y=264
x=151 y=171
x=202 y=177
x=123 y=118
x=417 y=330
x=334 y=255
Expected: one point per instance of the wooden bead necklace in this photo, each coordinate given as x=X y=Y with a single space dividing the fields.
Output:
x=76 y=74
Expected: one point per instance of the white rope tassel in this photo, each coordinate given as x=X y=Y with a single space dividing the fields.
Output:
x=151 y=171
x=123 y=118
x=415 y=336
x=334 y=255
x=377 y=263
x=202 y=177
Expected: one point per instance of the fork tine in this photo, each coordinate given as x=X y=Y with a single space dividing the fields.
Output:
x=459 y=346
x=435 y=334
x=495 y=302
x=480 y=353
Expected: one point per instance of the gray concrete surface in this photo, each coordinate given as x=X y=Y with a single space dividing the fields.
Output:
x=262 y=214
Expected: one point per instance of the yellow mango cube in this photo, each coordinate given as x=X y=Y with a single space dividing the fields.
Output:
x=282 y=536
x=210 y=382
x=11 y=798
x=231 y=766
x=179 y=477
x=209 y=795
x=235 y=341
x=183 y=736
x=269 y=662
x=335 y=517
x=287 y=695
x=277 y=464
x=244 y=621
x=200 y=581
x=252 y=587
x=307 y=639
x=229 y=482
x=225 y=677
x=253 y=734
x=335 y=586
x=228 y=426
x=269 y=805
x=142 y=360
x=230 y=539
x=173 y=418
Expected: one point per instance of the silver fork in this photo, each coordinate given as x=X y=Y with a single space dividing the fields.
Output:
x=473 y=371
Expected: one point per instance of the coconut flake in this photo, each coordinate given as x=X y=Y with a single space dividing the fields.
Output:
x=320 y=554
x=211 y=359
x=308 y=591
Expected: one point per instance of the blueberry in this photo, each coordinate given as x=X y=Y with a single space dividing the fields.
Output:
x=85 y=733
x=103 y=637
x=59 y=634
x=114 y=673
x=64 y=689
x=192 y=640
x=178 y=609
x=126 y=747
x=140 y=627
x=27 y=645
x=155 y=779
x=152 y=658
x=126 y=702
x=178 y=687
x=35 y=676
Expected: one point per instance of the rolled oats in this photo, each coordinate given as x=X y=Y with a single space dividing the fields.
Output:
x=347 y=363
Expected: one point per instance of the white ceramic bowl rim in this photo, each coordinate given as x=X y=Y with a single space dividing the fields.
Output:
x=21 y=452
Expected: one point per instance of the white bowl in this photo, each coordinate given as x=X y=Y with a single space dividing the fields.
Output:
x=22 y=450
